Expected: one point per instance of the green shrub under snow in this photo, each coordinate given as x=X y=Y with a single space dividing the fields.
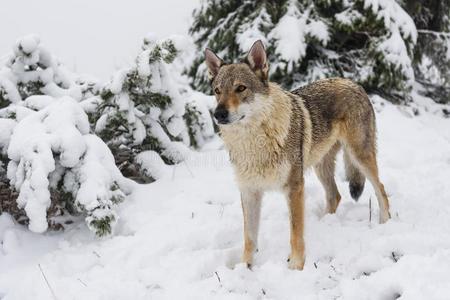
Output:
x=144 y=109
x=53 y=165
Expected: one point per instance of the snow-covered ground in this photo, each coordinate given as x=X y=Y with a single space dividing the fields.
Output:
x=181 y=237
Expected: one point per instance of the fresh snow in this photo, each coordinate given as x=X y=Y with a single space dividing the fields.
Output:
x=249 y=32
x=58 y=128
x=394 y=16
x=181 y=236
x=32 y=62
x=45 y=143
x=292 y=31
x=160 y=73
x=395 y=52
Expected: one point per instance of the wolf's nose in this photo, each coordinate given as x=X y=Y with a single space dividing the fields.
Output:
x=221 y=115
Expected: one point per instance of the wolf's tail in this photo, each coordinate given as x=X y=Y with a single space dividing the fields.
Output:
x=354 y=176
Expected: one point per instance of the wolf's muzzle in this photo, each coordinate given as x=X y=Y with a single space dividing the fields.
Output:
x=222 y=116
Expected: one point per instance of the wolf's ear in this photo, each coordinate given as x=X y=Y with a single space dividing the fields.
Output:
x=213 y=62
x=257 y=60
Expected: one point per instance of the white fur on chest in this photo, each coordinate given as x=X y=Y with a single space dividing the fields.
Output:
x=256 y=147
x=253 y=176
x=257 y=164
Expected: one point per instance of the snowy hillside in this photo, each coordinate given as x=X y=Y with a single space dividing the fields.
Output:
x=180 y=237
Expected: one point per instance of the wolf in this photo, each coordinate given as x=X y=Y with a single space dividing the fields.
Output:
x=274 y=135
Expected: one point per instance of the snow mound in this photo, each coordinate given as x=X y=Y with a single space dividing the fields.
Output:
x=52 y=147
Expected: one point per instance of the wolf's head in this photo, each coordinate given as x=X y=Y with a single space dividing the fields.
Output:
x=238 y=85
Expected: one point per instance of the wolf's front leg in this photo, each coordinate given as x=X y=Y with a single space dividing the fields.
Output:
x=251 y=208
x=296 y=217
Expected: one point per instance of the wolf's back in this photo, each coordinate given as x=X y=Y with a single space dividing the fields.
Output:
x=329 y=100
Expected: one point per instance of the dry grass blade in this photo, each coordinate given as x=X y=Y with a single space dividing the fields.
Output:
x=48 y=283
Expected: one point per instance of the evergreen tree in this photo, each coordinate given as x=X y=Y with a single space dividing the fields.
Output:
x=432 y=53
x=51 y=166
x=32 y=70
x=142 y=109
x=368 y=41
x=431 y=15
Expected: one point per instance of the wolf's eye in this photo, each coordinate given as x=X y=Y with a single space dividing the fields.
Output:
x=241 y=88
x=216 y=90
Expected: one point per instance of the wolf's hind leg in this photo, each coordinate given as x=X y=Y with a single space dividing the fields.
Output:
x=325 y=172
x=251 y=209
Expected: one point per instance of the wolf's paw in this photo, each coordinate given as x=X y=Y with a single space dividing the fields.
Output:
x=249 y=265
x=247 y=258
x=296 y=262
x=332 y=204
x=331 y=209
x=384 y=217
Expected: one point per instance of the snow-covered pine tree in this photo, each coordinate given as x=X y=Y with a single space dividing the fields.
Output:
x=432 y=53
x=32 y=70
x=368 y=41
x=144 y=117
x=51 y=164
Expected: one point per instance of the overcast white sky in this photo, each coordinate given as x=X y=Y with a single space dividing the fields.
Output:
x=92 y=36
